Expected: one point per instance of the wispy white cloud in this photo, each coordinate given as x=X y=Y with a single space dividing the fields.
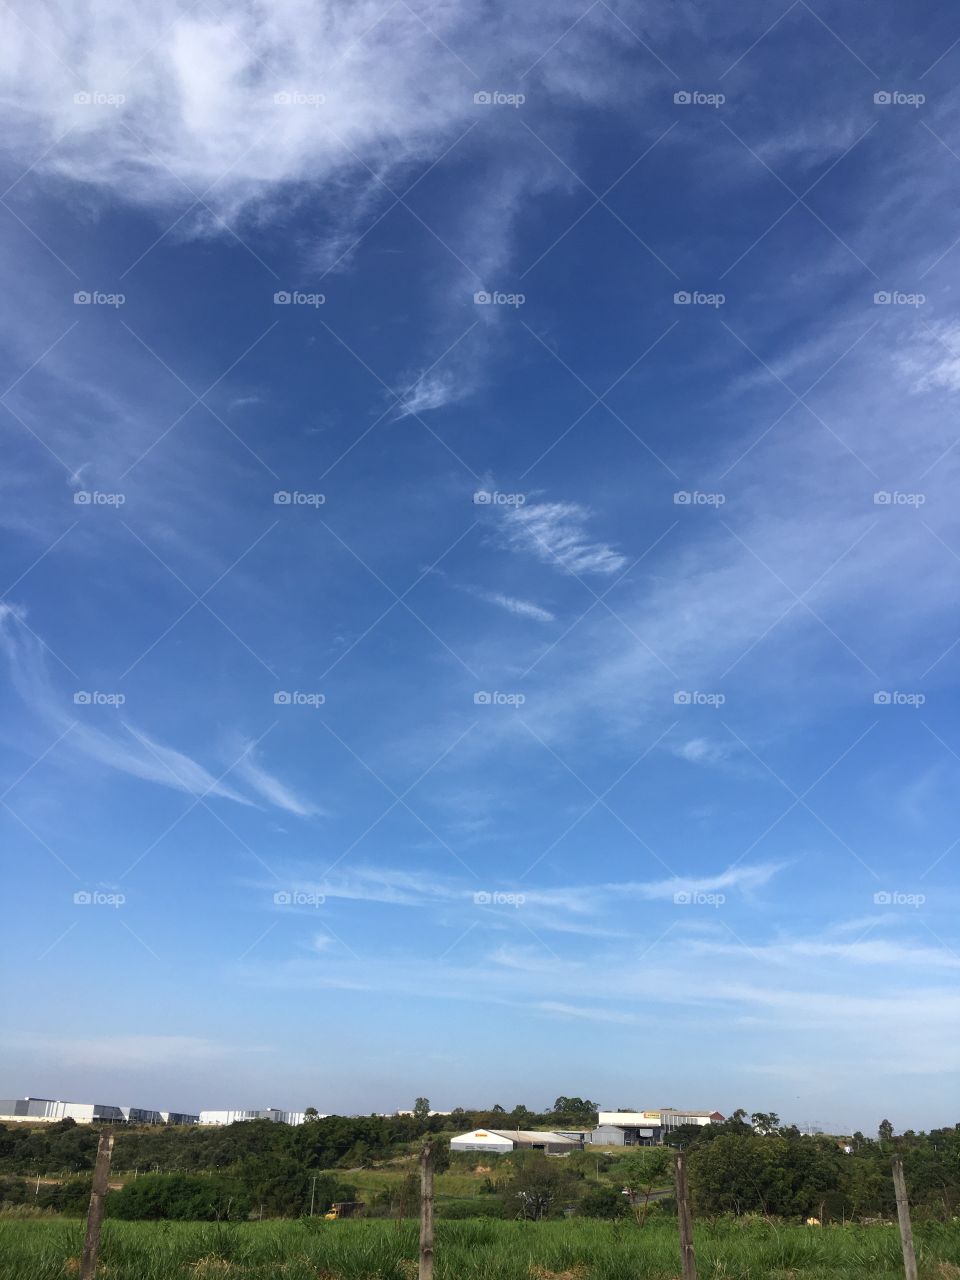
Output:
x=586 y=1013
x=269 y=786
x=555 y=532
x=628 y=982
x=432 y=391
x=933 y=358
x=127 y=749
x=860 y=952
x=243 y=103
x=131 y=1051
x=522 y=608
x=702 y=751
x=743 y=877
x=589 y=910
x=157 y=763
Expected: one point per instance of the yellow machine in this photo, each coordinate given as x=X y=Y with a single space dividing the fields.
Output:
x=344 y=1209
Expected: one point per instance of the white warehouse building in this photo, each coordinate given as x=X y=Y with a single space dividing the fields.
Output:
x=500 y=1142
x=646 y=1128
x=268 y=1113
x=50 y=1110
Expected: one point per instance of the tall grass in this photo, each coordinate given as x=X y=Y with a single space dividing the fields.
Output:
x=469 y=1250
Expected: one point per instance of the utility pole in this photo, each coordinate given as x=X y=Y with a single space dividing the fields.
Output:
x=101 y=1173
x=903 y=1218
x=313 y=1192
x=426 y=1213
x=687 y=1258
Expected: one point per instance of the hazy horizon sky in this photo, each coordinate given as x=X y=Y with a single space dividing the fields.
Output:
x=480 y=559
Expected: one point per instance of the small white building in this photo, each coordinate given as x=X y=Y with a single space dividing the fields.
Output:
x=494 y=1144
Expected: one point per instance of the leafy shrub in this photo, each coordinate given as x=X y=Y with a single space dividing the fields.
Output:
x=179 y=1196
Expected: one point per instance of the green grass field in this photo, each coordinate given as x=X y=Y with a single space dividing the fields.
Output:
x=47 y=1249
x=453 y=1182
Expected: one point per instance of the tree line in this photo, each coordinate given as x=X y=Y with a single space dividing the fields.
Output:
x=749 y=1164
x=330 y=1142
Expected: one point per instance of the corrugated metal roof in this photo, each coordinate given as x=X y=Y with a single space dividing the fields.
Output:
x=534 y=1135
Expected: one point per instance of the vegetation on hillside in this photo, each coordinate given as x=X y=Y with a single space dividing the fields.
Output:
x=747 y=1165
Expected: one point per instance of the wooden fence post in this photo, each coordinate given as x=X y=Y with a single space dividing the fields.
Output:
x=101 y=1172
x=903 y=1217
x=688 y=1260
x=426 y=1212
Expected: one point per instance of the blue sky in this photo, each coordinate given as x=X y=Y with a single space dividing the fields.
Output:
x=586 y=720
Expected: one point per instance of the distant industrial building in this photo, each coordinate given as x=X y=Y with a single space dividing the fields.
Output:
x=499 y=1142
x=268 y=1113
x=646 y=1128
x=51 y=1110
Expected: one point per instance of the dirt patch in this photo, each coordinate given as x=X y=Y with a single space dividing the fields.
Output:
x=212 y=1268
x=572 y=1273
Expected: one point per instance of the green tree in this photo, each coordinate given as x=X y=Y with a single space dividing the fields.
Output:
x=748 y=1172
x=765 y=1122
x=638 y=1173
x=885 y=1131
x=421 y=1110
x=688 y=1135
x=441 y=1154
x=574 y=1112
x=604 y=1202
x=540 y=1187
